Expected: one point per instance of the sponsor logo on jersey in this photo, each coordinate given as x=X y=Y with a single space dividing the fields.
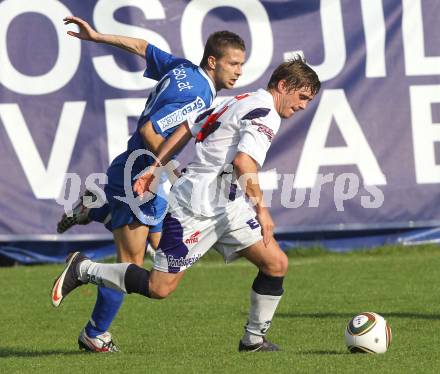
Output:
x=180 y=74
x=264 y=130
x=193 y=238
x=178 y=116
x=179 y=262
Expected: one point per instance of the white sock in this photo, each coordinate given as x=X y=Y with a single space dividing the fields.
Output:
x=107 y=275
x=261 y=313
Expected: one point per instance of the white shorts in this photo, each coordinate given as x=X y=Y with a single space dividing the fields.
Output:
x=186 y=238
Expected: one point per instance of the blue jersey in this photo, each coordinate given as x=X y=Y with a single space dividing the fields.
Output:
x=182 y=88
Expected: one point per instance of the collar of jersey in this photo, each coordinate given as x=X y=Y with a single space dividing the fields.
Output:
x=211 y=83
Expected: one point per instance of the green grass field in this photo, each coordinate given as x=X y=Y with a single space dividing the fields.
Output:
x=197 y=329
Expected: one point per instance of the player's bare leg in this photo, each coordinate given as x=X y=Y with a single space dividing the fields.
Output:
x=162 y=284
x=130 y=243
x=266 y=293
x=271 y=260
x=153 y=243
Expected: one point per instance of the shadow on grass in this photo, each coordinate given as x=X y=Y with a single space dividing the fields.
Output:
x=348 y=315
x=15 y=352
x=321 y=352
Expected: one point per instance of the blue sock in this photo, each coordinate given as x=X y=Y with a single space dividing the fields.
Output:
x=99 y=214
x=107 y=306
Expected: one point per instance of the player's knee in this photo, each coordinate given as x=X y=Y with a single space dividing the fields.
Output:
x=283 y=263
x=160 y=288
x=277 y=266
x=161 y=292
x=280 y=265
x=161 y=284
x=133 y=258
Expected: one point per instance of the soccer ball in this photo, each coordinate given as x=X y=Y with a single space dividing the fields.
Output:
x=368 y=333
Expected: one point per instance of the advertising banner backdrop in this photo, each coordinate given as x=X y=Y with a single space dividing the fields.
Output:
x=364 y=155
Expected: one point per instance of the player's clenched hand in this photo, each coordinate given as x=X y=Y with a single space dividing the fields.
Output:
x=146 y=183
x=267 y=225
x=86 y=32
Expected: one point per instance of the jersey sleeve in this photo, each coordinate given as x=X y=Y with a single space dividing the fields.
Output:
x=256 y=136
x=160 y=62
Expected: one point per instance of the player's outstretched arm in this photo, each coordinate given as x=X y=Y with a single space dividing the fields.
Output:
x=165 y=152
x=86 y=32
x=246 y=171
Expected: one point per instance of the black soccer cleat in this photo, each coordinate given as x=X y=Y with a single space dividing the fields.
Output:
x=79 y=215
x=68 y=280
x=264 y=346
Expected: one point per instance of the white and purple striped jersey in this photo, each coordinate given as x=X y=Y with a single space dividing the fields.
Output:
x=246 y=123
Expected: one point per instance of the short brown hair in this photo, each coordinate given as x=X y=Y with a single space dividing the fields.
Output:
x=297 y=74
x=217 y=43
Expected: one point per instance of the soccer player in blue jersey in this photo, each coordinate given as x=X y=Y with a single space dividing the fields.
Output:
x=182 y=88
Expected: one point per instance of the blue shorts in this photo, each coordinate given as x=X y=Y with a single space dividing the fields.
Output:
x=150 y=213
x=100 y=215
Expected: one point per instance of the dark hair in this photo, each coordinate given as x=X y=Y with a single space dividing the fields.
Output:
x=297 y=74
x=217 y=43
